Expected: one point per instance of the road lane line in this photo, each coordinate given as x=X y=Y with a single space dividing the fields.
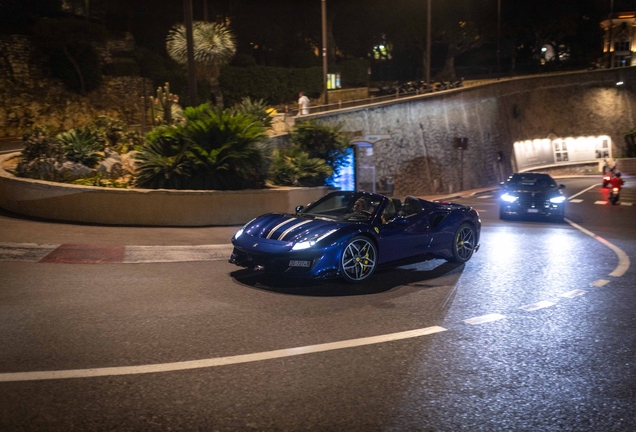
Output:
x=573 y=293
x=576 y=201
x=219 y=361
x=538 y=305
x=484 y=319
x=623 y=259
x=582 y=192
x=600 y=202
x=600 y=283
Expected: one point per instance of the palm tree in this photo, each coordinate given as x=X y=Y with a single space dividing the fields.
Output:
x=214 y=46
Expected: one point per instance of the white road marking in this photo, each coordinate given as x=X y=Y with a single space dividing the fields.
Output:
x=623 y=259
x=600 y=283
x=484 y=196
x=538 y=305
x=600 y=202
x=219 y=361
x=576 y=201
x=626 y=203
x=582 y=192
x=26 y=252
x=573 y=293
x=150 y=254
x=484 y=319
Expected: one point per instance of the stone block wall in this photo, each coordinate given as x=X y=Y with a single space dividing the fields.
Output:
x=28 y=96
x=421 y=156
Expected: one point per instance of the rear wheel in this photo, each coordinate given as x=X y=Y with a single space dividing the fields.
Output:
x=464 y=243
x=359 y=260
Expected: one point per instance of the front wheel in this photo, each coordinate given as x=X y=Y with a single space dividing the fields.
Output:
x=359 y=259
x=464 y=243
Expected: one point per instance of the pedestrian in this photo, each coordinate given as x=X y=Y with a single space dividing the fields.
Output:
x=303 y=103
x=605 y=166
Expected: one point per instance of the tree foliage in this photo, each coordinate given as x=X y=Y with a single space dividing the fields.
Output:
x=214 y=45
x=68 y=44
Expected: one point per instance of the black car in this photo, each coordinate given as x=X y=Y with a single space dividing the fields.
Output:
x=531 y=194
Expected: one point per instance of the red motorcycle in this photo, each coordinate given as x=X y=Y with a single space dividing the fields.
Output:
x=607 y=178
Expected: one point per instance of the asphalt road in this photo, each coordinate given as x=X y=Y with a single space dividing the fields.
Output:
x=556 y=351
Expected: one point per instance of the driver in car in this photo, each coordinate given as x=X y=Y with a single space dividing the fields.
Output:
x=360 y=206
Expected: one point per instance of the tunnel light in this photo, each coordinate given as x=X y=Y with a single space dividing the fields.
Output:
x=620 y=83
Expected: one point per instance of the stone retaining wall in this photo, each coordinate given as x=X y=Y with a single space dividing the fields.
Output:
x=421 y=158
x=145 y=207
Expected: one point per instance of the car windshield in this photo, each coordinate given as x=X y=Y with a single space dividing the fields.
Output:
x=344 y=206
x=531 y=181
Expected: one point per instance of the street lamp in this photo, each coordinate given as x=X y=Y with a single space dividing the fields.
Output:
x=498 y=37
x=324 y=50
x=428 y=42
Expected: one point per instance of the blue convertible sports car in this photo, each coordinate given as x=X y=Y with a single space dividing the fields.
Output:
x=350 y=234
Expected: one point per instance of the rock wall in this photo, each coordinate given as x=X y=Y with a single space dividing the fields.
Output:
x=421 y=156
x=28 y=96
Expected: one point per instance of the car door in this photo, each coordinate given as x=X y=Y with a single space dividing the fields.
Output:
x=405 y=236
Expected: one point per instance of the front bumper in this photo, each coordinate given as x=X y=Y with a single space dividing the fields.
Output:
x=311 y=264
x=546 y=209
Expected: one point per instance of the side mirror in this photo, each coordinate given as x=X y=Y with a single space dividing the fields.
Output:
x=561 y=186
x=299 y=208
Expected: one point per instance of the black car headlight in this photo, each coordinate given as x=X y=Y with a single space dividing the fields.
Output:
x=557 y=200
x=509 y=198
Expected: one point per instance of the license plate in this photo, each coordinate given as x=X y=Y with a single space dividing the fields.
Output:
x=533 y=210
x=296 y=263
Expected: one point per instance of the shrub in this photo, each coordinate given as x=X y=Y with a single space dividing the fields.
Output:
x=42 y=151
x=294 y=167
x=271 y=84
x=41 y=143
x=164 y=162
x=257 y=109
x=214 y=149
x=116 y=134
x=321 y=141
x=81 y=145
x=224 y=147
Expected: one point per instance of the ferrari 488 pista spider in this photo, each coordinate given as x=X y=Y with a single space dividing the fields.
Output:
x=350 y=234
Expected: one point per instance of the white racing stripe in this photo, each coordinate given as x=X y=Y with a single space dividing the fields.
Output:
x=290 y=229
x=623 y=259
x=278 y=226
x=219 y=361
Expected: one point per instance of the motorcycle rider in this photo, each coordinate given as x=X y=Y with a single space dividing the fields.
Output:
x=616 y=181
x=615 y=184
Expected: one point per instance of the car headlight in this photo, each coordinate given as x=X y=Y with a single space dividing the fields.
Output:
x=557 y=200
x=509 y=198
x=239 y=232
x=309 y=243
